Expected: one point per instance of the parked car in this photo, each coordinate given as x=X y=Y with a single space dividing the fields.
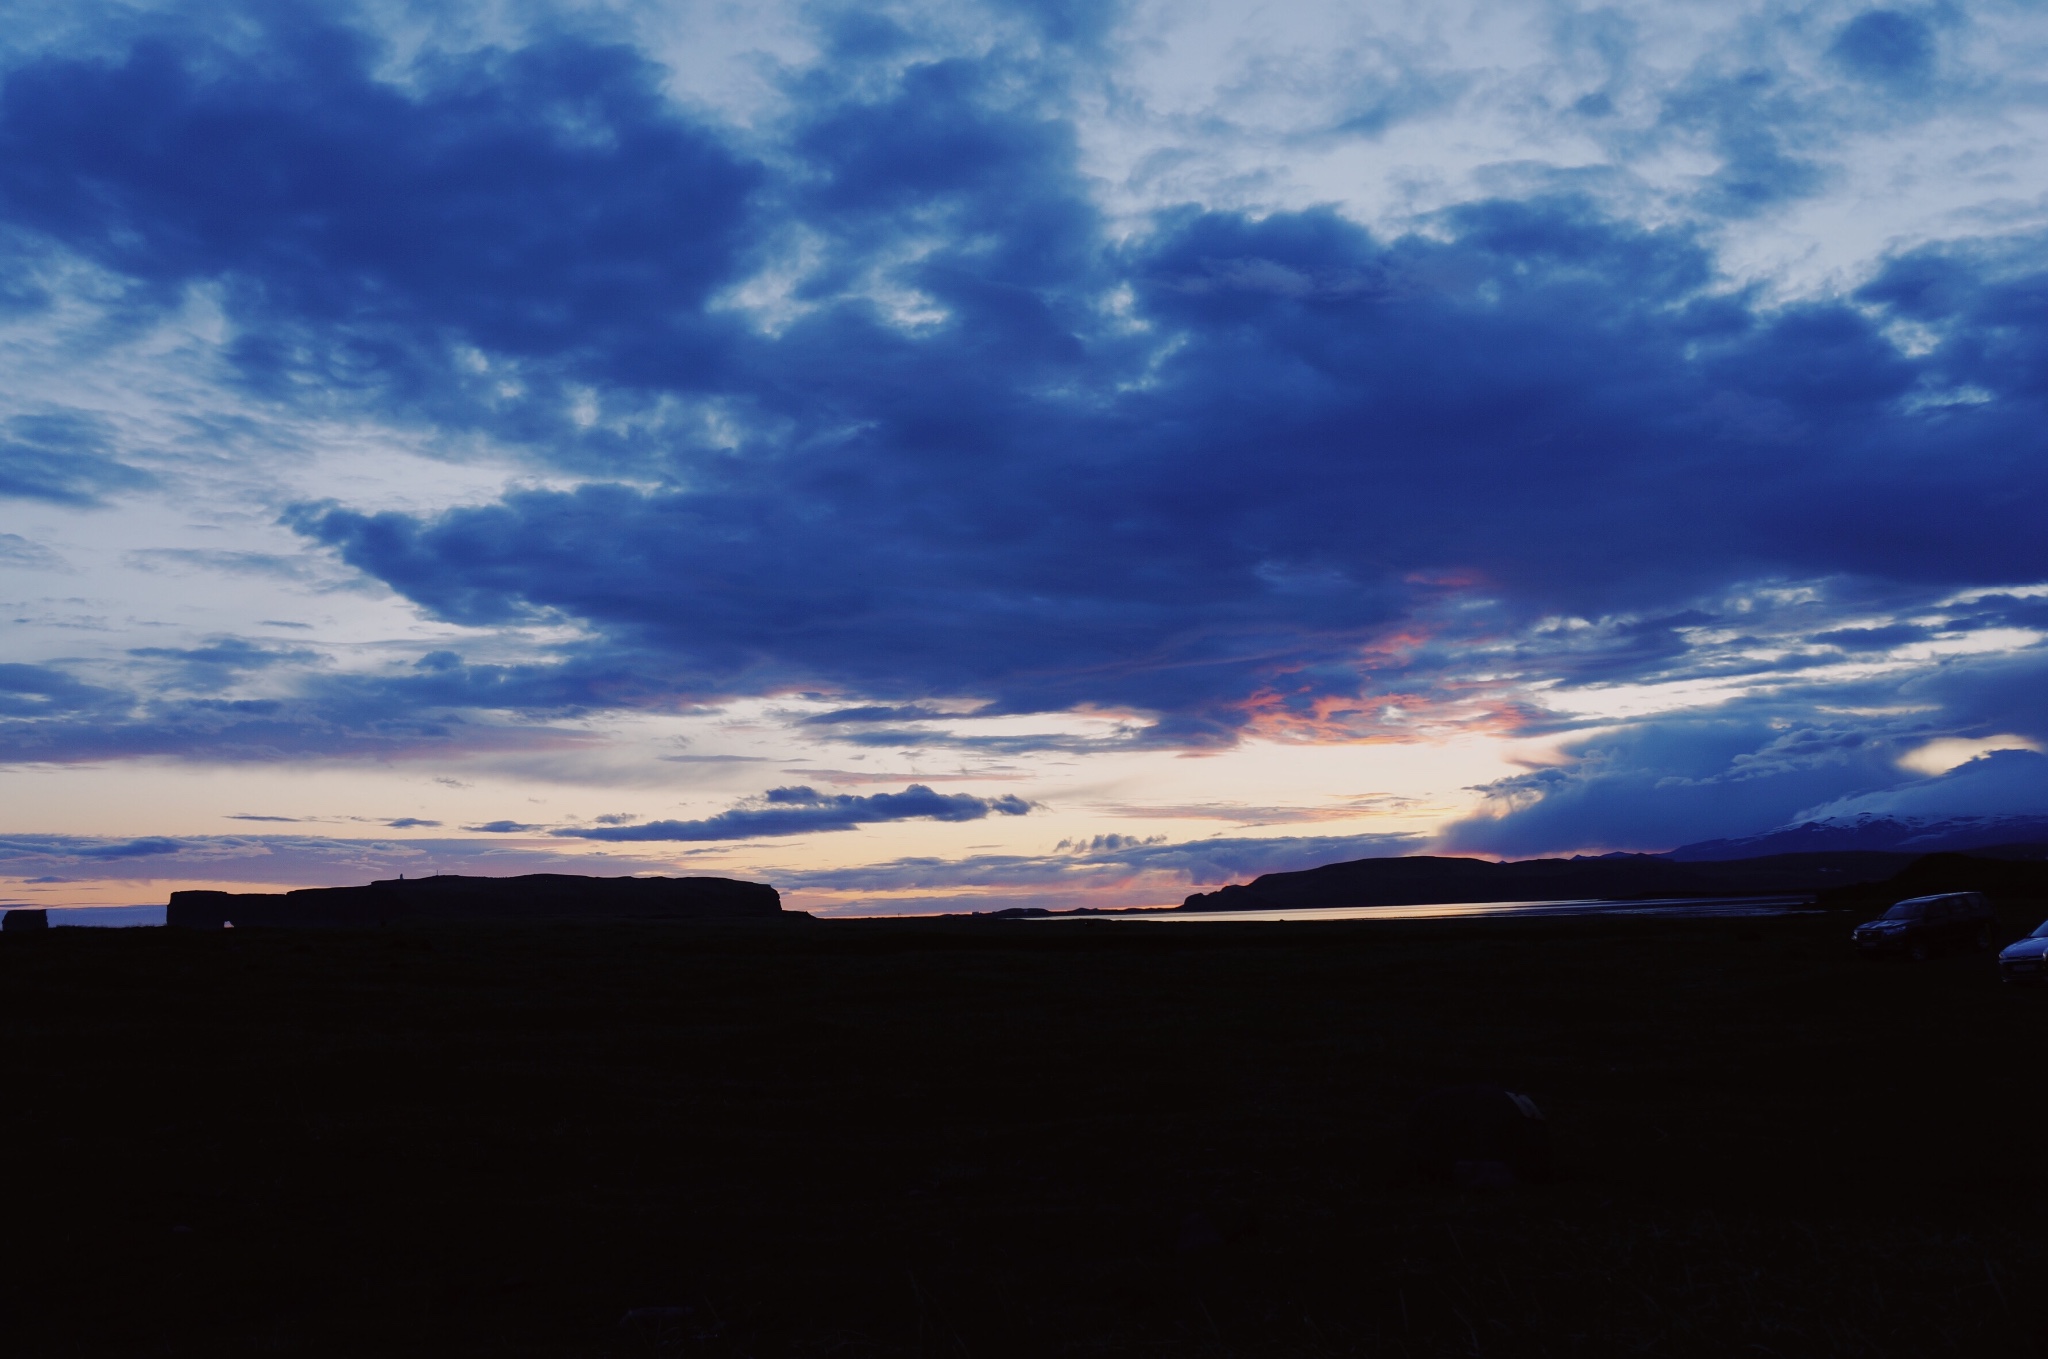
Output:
x=1924 y=926
x=2026 y=960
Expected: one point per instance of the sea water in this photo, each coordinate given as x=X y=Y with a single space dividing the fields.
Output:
x=1682 y=907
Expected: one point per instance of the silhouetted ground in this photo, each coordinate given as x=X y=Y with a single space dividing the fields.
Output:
x=1012 y=1138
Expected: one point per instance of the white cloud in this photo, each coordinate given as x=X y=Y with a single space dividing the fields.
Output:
x=1938 y=757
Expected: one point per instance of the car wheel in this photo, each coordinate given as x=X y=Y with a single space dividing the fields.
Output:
x=1917 y=950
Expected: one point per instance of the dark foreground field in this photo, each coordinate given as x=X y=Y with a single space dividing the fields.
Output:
x=927 y=1138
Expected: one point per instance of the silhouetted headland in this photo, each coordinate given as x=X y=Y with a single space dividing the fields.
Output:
x=1420 y=879
x=453 y=897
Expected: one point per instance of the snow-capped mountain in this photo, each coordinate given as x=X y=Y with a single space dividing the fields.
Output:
x=1899 y=834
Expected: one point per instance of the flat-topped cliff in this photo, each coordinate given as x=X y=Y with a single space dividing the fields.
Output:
x=452 y=897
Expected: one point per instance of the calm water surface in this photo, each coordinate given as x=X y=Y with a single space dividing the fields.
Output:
x=1678 y=907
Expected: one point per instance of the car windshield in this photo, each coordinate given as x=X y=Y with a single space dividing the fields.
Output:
x=2041 y=931
x=1907 y=910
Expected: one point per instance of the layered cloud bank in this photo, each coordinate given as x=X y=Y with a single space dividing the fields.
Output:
x=1041 y=398
x=801 y=811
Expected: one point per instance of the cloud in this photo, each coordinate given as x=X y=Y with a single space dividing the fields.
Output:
x=473 y=242
x=1476 y=402
x=858 y=776
x=35 y=848
x=873 y=398
x=1652 y=786
x=504 y=827
x=1753 y=119
x=261 y=564
x=61 y=458
x=877 y=712
x=36 y=693
x=1149 y=870
x=18 y=552
x=1887 y=46
x=2002 y=783
x=297 y=860
x=1873 y=639
x=800 y=811
x=133 y=849
x=222 y=661
x=66 y=722
x=188 y=701
x=1754 y=764
x=410 y=823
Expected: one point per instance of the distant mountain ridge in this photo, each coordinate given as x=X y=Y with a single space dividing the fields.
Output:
x=1821 y=858
x=1872 y=832
x=1421 y=879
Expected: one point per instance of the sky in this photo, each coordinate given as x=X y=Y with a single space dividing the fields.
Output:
x=969 y=455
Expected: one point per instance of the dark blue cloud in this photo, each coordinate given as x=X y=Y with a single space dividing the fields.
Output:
x=1563 y=409
x=2002 y=611
x=264 y=732
x=540 y=204
x=1656 y=785
x=1068 y=23
x=226 y=653
x=1873 y=639
x=800 y=811
x=35 y=848
x=504 y=827
x=1772 y=760
x=48 y=715
x=221 y=661
x=1748 y=118
x=1886 y=46
x=62 y=459
x=1982 y=301
x=2001 y=783
x=875 y=712
x=1977 y=696
x=39 y=693
x=147 y=847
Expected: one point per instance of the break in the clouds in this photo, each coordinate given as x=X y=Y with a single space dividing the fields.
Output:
x=1650 y=395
